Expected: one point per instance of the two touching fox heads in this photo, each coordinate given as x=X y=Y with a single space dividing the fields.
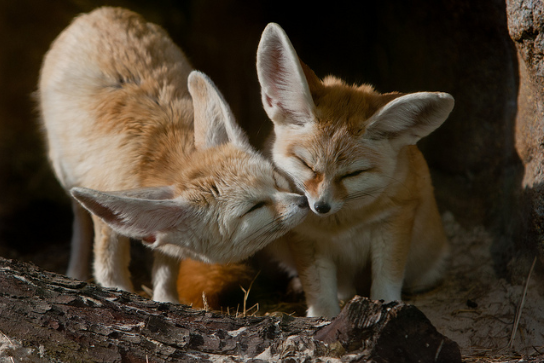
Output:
x=181 y=168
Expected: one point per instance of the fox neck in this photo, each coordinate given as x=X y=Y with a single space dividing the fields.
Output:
x=165 y=152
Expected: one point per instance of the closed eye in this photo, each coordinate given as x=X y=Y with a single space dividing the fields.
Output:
x=255 y=207
x=354 y=173
x=305 y=164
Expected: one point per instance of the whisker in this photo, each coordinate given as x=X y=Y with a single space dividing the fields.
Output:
x=374 y=192
x=362 y=194
x=231 y=234
x=266 y=228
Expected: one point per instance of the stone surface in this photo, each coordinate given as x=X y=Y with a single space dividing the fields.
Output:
x=364 y=324
x=526 y=27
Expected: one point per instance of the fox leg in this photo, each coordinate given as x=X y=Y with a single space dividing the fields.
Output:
x=390 y=248
x=81 y=243
x=428 y=257
x=318 y=278
x=164 y=276
x=346 y=289
x=426 y=269
x=112 y=255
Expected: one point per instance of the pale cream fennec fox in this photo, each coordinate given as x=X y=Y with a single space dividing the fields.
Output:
x=352 y=151
x=123 y=112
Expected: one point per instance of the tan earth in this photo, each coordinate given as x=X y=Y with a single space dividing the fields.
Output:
x=476 y=309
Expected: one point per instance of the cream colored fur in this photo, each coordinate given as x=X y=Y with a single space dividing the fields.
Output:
x=152 y=150
x=352 y=152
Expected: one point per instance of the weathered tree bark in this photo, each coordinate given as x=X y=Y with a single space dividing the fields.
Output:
x=49 y=317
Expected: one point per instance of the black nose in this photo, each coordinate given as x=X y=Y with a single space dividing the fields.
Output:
x=302 y=202
x=322 y=207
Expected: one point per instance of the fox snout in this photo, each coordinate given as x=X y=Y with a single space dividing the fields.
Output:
x=322 y=207
x=293 y=209
x=324 y=199
x=301 y=201
x=295 y=202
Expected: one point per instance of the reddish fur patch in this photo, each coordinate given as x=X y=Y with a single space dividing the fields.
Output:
x=216 y=281
x=349 y=106
x=312 y=185
x=339 y=104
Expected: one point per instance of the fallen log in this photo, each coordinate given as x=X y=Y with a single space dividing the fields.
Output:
x=49 y=317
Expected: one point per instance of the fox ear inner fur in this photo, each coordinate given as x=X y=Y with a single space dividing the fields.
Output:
x=214 y=122
x=139 y=213
x=285 y=92
x=409 y=118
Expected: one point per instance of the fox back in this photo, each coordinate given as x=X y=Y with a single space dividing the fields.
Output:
x=352 y=151
x=151 y=149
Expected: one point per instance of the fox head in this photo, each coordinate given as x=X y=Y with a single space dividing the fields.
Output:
x=338 y=143
x=226 y=203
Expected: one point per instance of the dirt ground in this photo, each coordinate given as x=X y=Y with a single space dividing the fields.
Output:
x=472 y=307
x=477 y=310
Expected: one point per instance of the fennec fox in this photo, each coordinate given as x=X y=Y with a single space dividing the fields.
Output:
x=352 y=151
x=123 y=112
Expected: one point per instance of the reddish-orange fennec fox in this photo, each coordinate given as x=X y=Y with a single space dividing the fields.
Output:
x=151 y=149
x=352 y=151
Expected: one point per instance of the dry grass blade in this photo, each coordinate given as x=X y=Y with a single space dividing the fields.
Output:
x=247 y=292
x=205 y=302
x=255 y=306
x=146 y=292
x=520 y=307
x=5 y=336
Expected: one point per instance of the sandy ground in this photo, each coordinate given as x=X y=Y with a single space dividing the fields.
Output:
x=477 y=310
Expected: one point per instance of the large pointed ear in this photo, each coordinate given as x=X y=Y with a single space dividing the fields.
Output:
x=286 y=96
x=138 y=213
x=409 y=118
x=214 y=122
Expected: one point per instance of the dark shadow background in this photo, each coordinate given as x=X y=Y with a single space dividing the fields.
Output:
x=461 y=47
